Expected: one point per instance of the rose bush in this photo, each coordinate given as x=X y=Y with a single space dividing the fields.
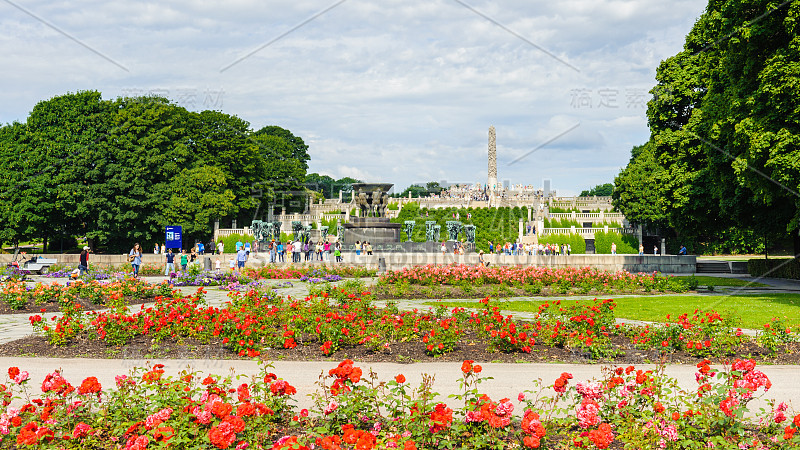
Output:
x=625 y=408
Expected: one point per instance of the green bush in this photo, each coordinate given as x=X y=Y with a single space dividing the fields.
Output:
x=775 y=268
x=575 y=241
x=230 y=241
x=626 y=243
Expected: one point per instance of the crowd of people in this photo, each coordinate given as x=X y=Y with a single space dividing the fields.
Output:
x=516 y=248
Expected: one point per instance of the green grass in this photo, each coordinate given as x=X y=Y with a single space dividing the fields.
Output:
x=748 y=311
x=704 y=280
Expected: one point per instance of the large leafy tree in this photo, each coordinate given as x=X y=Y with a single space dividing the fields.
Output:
x=299 y=149
x=725 y=124
x=117 y=171
x=638 y=189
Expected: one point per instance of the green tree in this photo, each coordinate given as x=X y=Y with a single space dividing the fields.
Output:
x=724 y=123
x=199 y=196
x=299 y=149
x=637 y=193
x=601 y=190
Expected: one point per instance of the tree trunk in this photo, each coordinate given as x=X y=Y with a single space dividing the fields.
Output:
x=796 y=244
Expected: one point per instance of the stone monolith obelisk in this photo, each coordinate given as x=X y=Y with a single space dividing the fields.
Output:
x=492 y=160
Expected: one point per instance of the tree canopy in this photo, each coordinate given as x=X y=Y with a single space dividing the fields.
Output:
x=725 y=127
x=601 y=190
x=118 y=171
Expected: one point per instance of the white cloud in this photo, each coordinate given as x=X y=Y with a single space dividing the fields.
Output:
x=399 y=90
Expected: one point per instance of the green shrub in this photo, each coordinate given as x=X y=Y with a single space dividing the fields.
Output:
x=775 y=268
x=626 y=243
x=231 y=240
x=575 y=241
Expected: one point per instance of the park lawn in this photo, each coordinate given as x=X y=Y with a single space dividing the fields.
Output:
x=748 y=311
x=705 y=280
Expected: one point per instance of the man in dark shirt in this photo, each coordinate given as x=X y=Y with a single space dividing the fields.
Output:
x=170 y=263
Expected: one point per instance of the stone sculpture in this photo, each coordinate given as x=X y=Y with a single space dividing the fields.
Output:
x=409 y=228
x=437 y=233
x=429 y=232
x=340 y=231
x=323 y=233
x=306 y=233
x=453 y=228
x=258 y=230
x=362 y=203
x=469 y=231
x=297 y=229
x=276 y=230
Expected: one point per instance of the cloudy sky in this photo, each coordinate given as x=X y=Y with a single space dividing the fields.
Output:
x=398 y=91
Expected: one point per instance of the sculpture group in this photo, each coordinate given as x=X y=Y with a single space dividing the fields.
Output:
x=372 y=205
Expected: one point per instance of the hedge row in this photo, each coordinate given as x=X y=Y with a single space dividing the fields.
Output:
x=775 y=268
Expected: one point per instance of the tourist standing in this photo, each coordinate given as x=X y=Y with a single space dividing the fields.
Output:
x=220 y=247
x=655 y=249
x=369 y=249
x=184 y=260
x=682 y=251
x=358 y=248
x=279 y=250
x=83 y=265
x=318 y=249
x=155 y=249
x=273 y=251
x=170 y=259
x=613 y=248
x=338 y=252
x=241 y=258
x=641 y=249
x=444 y=248
x=307 y=250
x=135 y=257
x=326 y=251
x=193 y=256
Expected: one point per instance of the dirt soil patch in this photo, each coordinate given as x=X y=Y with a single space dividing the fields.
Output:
x=54 y=307
x=144 y=347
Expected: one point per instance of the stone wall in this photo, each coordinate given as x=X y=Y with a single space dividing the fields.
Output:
x=396 y=261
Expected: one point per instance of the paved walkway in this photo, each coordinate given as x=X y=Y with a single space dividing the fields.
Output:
x=508 y=379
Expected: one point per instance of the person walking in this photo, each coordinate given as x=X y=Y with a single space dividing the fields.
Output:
x=135 y=258
x=184 y=260
x=241 y=258
x=193 y=255
x=83 y=265
x=337 y=252
x=170 y=258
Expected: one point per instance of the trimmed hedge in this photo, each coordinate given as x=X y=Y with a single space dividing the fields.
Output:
x=775 y=268
x=626 y=243
x=575 y=241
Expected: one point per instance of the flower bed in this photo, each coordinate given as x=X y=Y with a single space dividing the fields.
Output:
x=17 y=295
x=310 y=271
x=331 y=318
x=568 y=278
x=627 y=408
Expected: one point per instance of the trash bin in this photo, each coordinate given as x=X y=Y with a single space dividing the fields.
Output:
x=207 y=263
x=381 y=265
